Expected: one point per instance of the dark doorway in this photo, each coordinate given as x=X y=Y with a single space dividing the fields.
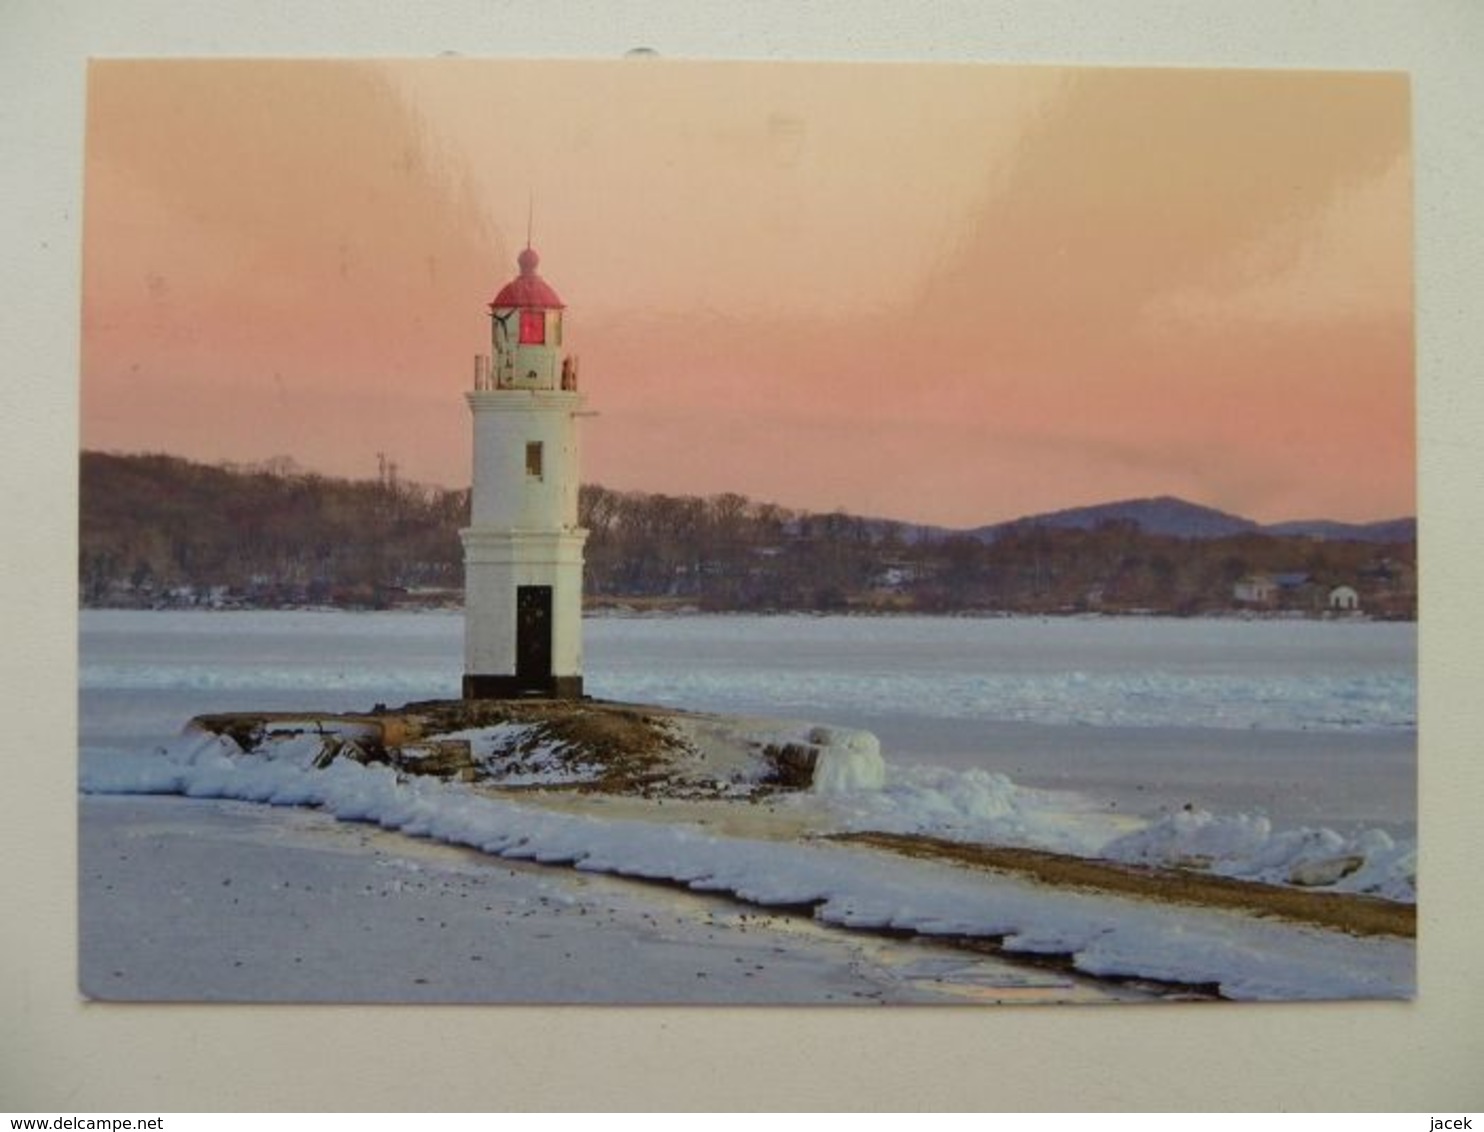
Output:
x=532 y=633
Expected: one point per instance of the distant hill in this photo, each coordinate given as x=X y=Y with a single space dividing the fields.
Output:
x=1177 y=518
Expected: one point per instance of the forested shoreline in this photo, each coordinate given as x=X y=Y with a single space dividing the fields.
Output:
x=161 y=531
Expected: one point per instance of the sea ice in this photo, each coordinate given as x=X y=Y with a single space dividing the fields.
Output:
x=848 y=760
x=1293 y=743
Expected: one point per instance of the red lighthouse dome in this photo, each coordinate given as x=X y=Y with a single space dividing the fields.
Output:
x=528 y=290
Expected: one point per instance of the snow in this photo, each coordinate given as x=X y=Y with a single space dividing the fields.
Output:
x=1281 y=752
x=1099 y=672
x=1247 y=846
x=289 y=905
x=977 y=805
x=514 y=749
x=1104 y=935
x=980 y=806
x=848 y=760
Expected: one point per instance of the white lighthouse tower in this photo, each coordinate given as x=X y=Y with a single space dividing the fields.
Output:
x=523 y=547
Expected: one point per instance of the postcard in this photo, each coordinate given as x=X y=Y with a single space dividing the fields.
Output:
x=640 y=531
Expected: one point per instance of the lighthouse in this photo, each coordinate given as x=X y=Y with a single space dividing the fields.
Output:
x=523 y=547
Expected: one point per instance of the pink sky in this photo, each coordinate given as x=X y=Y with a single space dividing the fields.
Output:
x=952 y=294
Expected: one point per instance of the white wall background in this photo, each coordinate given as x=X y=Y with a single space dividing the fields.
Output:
x=60 y=1055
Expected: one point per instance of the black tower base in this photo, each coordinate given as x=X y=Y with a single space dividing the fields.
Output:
x=522 y=687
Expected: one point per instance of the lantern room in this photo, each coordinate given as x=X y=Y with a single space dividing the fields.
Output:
x=526 y=333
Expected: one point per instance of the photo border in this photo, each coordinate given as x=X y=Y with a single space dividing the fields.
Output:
x=60 y=1051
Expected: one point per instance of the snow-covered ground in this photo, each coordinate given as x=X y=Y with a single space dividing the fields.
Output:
x=1258 y=747
x=226 y=901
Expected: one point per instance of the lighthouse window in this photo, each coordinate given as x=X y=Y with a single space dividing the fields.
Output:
x=532 y=328
x=533 y=459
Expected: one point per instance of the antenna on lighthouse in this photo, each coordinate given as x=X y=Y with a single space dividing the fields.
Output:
x=530 y=215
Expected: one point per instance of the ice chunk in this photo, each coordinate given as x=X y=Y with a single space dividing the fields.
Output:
x=1247 y=846
x=848 y=760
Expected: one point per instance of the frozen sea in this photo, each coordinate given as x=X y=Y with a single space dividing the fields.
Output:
x=1304 y=722
x=1254 y=745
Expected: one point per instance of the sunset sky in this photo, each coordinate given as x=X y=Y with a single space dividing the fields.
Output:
x=951 y=294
